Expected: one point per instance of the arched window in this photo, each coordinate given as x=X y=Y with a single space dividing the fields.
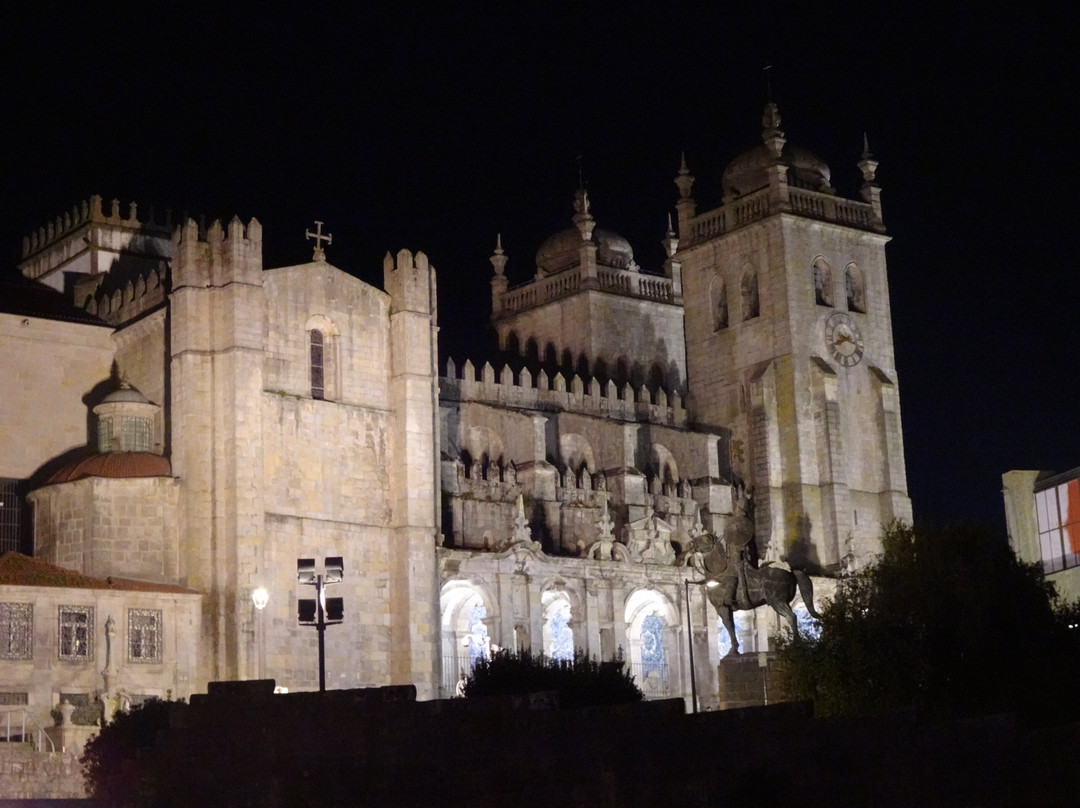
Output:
x=651 y=619
x=318 y=365
x=823 y=282
x=558 y=636
x=479 y=643
x=750 y=300
x=854 y=288
x=323 y=365
x=653 y=652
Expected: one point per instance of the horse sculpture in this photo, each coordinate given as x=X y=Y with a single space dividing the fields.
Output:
x=739 y=585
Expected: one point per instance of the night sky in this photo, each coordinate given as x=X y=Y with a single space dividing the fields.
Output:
x=436 y=127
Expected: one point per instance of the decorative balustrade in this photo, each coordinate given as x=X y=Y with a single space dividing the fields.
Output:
x=758 y=205
x=551 y=393
x=609 y=279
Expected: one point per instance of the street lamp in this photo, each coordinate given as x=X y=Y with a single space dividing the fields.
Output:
x=709 y=583
x=260 y=597
x=320 y=611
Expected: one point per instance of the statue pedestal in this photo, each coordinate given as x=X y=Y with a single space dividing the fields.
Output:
x=71 y=737
x=748 y=680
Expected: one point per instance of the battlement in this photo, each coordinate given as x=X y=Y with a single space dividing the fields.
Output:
x=586 y=396
x=410 y=281
x=86 y=212
x=217 y=255
x=119 y=305
x=86 y=240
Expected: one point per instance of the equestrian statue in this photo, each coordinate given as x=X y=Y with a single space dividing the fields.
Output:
x=741 y=584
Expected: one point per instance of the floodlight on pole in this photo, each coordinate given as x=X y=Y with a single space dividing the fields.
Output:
x=320 y=611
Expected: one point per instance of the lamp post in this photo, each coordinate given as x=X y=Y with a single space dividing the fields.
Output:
x=260 y=597
x=709 y=583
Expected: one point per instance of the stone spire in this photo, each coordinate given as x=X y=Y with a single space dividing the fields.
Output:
x=498 y=281
x=670 y=242
x=499 y=258
x=870 y=190
x=685 y=207
x=684 y=181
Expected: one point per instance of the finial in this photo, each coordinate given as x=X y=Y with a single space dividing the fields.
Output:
x=320 y=237
x=768 y=82
x=499 y=259
x=865 y=147
x=581 y=171
x=685 y=181
x=771 y=133
x=582 y=218
x=670 y=243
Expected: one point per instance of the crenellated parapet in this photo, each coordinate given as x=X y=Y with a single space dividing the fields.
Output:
x=410 y=281
x=88 y=240
x=551 y=393
x=218 y=255
x=116 y=304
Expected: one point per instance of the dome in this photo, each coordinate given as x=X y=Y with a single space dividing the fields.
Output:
x=114 y=465
x=563 y=249
x=747 y=172
x=125 y=394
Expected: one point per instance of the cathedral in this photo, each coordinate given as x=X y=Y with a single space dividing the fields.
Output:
x=182 y=425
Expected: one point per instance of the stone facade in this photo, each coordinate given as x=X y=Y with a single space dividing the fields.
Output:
x=547 y=501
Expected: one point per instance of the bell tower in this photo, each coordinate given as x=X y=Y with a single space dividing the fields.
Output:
x=789 y=344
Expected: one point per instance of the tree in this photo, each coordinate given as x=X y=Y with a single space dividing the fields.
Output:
x=119 y=763
x=580 y=682
x=949 y=621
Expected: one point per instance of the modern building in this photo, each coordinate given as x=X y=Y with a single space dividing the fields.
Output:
x=1042 y=513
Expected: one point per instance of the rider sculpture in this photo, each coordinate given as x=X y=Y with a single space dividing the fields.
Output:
x=742 y=585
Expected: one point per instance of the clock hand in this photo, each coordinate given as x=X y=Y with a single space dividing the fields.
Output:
x=844 y=338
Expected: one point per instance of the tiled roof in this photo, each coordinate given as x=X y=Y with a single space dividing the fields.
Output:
x=116 y=465
x=29 y=299
x=17 y=569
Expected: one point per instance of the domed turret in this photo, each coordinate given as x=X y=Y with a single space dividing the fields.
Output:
x=750 y=170
x=126 y=421
x=747 y=172
x=562 y=250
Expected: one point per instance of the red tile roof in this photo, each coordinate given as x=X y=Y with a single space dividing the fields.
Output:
x=17 y=569
x=117 y=465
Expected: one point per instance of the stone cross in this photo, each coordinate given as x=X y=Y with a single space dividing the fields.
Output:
x=319 y=255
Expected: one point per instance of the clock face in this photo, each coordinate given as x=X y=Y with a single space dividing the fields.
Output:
x=843 y=338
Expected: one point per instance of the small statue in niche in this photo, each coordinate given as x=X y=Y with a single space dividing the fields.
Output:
x=510 y=473
x=477 y=470
x=685 y=491
x=586 y=479
x=600 y=481
x=459 y=469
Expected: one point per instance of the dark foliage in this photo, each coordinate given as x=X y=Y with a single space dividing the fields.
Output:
x=121 y=763
x=580 y=682
x=949 y=621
